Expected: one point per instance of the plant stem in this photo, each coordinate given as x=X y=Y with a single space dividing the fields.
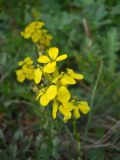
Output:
x=92 y=102
x=77 y=138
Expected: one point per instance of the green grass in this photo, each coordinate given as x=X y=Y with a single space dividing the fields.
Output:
x=89 y=32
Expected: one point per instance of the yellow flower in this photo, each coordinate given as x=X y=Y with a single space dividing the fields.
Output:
x=51 y=60
x=36 y=36
x=66 y=79
x=74 y=75
x=65 y=109
x=45 y=38
x=63 y=94
x=37 y=24
x=26 y=71
x=31 y=28
x=81 y=106
x=70 y=77
x=27 y=61
x=20 y=75
x=47 y=94
x=67 y=114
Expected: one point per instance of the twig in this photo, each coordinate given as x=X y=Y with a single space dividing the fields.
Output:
x=102 y=146
x=109 y=133
x=86 y=27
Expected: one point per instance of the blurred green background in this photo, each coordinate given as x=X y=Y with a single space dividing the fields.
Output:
x=89 y=31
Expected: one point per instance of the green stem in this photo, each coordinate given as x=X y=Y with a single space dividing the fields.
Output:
x=77 y=138
x=92 y=102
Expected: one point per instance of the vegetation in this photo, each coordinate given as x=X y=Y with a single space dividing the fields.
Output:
x=88 y=31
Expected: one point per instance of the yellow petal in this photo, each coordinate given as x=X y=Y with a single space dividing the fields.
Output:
x=27 y=69
x=51 y=92
x=43 y=59
x=74 y=75
x=67 y=80
x=28 y=61
x=64 y=112
x=83 y=106
x=28 y=31
x=63 y=94
x=53 y=52
x=36 y=36
x=54 y=111
x=29 y=76
x=62 y=57
x=70 y=71
x=44 y=100
x=76 y=113
x=20 y=63
x=50 y=67
x=38 y=24
x=30 y=28
x=20 y=75
x=78 y=76
x=26 y=35
x=37 y=75
x=68 y=106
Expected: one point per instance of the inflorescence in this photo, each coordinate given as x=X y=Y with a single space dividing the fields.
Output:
x=52 y=85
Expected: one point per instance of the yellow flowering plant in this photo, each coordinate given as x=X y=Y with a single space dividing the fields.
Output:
x=52 y=85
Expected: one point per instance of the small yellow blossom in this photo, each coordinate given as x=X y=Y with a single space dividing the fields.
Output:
x=45 y=39
x=81 y=106
x=47 y=94
x=20 y=75
x=74 y=75
x=31 y=28
x=26 y=71
x=38 y=35
x=63 y=94
x=68 y=78
x=66 y=109
x=27 y=61
x=67 y=114
x=51 y=60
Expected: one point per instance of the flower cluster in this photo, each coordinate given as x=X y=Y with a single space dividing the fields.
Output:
x=52 y=85
x=38 y=34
